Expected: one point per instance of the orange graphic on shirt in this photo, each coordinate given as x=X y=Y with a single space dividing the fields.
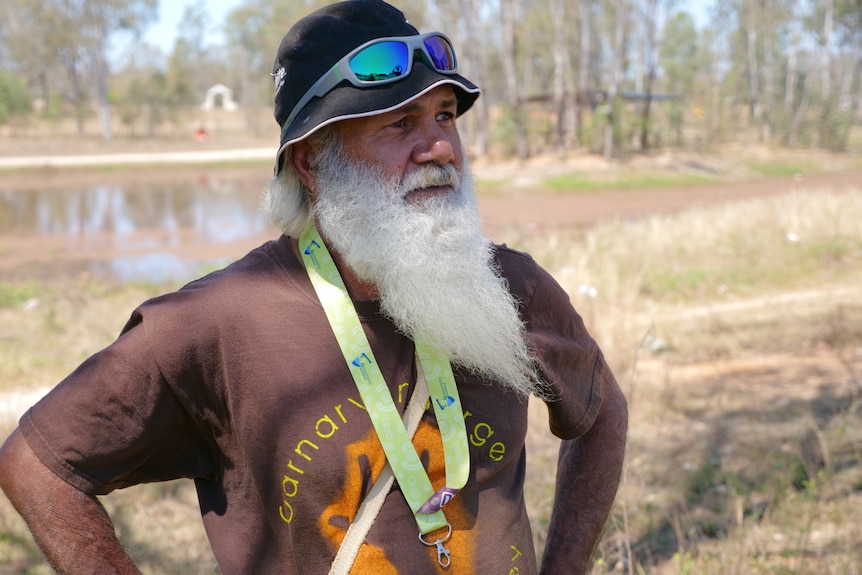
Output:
x=342 y=511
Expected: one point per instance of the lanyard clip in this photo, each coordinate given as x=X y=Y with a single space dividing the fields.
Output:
x=442 y=554
x=443 y=557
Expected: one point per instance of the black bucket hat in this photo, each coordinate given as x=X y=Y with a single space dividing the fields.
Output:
x=317 y=42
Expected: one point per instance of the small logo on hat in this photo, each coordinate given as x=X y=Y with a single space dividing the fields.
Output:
x=278 y=78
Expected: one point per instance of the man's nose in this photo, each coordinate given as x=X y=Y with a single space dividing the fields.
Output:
x=434 y=145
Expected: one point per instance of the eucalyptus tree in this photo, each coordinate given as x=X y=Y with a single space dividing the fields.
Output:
x=848 y=27
x=77 y=35
x=587 y=56
x=463 y=20
x=14 y=97
x=39 y=42
x=619 y=11
x=190 y=69
x=510 y=13
x=679 y=60
x=829 y=32
x=837 y=27
x=565 y=102
x=651 y=16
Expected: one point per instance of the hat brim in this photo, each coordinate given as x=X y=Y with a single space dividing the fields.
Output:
x=347 y=101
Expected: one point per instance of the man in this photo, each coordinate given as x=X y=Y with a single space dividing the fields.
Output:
x=279 y=384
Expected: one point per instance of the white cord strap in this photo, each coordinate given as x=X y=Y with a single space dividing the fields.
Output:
x=370 y=507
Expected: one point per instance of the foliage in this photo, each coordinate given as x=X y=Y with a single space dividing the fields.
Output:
x=14 y=294
x=14 y=96
x=49 y=39
x=778 y=72
x=679 y=54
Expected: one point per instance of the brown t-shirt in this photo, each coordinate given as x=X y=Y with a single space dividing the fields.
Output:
x=237 y=382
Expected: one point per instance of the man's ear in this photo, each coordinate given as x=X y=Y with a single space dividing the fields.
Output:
x=301 y=158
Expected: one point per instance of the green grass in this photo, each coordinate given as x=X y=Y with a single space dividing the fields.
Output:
x=14 y=294
x=587 y=183
x=783 y=168
x=578 y=182
x=854 y=141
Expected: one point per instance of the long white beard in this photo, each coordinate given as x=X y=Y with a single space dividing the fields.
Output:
x=430 y=263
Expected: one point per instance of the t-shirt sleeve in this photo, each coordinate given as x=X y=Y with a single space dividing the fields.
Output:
x=569 y=358
x=118 y=421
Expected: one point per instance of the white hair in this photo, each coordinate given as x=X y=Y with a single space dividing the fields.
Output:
x=287 y=199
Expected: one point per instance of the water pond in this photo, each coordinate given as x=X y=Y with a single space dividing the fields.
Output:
x=144 y=225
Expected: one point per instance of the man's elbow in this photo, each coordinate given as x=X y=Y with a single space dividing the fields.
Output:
x=21 y=471
x=613 y=415
x=618 y=405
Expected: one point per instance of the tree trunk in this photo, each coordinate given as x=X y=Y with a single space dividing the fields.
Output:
x=799 y=116
x=858 y=116
x=77 y=94
x=768 y=94
x=473 y=57
x=753 y=68
x=652 y=64
x=513 y=97
x=100 y=73
x=561 y=67
x=790 y=82
x=826 y=73
x=583 y=66
x=848 y=70
x=620 y=13
x=826 y=54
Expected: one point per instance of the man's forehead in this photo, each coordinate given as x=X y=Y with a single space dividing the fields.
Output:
x=439 y=98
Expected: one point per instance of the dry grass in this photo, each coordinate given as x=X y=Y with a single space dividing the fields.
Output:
x=736 y=333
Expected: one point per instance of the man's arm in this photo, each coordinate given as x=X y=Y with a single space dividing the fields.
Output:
x=588 y=475
x=71 y=527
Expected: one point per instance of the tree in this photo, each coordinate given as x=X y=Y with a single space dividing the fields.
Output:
x=679 y=61
x=585 y=16
x=509 y=13
x=473 y=60
x=76 y=34
x=651 y=9
x=14 y=97
x=189 y=60
x=617 y=57
x=564 y=100
x=97 y=22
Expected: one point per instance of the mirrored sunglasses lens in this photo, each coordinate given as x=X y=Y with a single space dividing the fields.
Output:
x=442 y=54
x=381 y=61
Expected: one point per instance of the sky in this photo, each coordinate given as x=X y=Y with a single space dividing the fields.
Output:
x=163 y=32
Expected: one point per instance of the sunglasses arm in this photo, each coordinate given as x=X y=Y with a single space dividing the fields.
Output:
x=320 y=88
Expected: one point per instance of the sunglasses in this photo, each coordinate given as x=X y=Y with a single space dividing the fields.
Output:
x=382 y=61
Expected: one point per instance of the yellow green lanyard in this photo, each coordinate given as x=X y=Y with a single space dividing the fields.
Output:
x=412 y=478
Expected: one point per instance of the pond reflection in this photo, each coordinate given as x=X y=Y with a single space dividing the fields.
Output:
x=130 y=231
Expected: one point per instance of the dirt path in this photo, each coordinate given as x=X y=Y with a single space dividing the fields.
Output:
x=534 y=207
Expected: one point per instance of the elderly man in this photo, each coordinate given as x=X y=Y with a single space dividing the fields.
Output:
x=352 y=396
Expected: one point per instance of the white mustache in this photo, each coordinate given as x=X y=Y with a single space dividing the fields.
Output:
x=430 y=176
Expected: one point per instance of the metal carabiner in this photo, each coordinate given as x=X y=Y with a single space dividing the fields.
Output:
x=443 y=557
